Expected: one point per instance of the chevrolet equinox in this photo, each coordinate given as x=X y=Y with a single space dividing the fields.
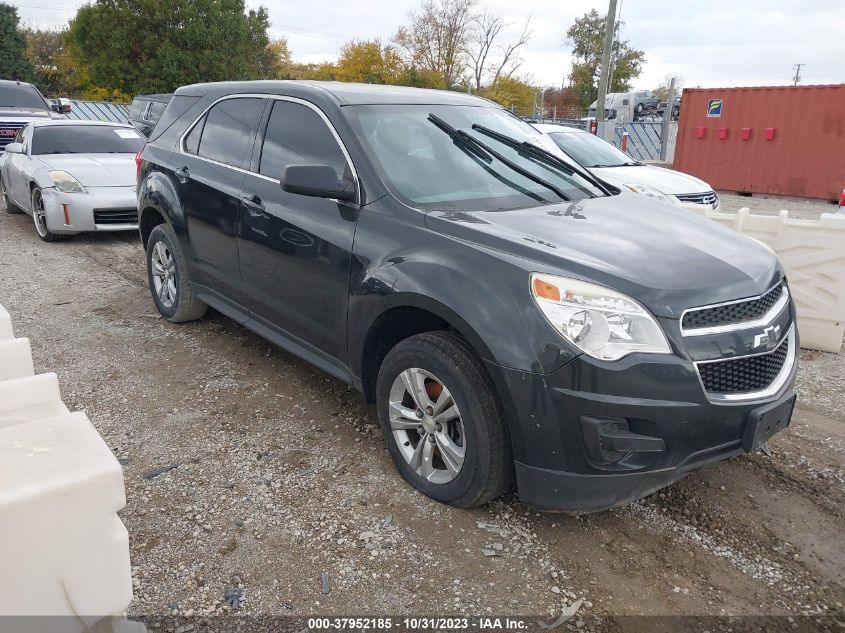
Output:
x=511 y=316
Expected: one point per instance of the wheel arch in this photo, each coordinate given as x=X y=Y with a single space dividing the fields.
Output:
x=405 y=315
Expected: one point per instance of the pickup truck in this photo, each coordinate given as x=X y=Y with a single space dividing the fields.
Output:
x=21 y=103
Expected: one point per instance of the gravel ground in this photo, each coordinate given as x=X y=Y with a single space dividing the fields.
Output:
x=257 y=484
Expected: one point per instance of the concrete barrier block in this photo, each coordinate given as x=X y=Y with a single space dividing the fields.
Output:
x=15 y=358
x=63 y=549
x=30 y=398
x=66 y=552
x=812 y=253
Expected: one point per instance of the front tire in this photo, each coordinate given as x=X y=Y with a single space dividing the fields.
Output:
x=7 y=201
x=39 y=219
x=442 y=421
x=168 y=278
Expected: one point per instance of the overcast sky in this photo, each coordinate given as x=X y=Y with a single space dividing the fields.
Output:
x=711 y=43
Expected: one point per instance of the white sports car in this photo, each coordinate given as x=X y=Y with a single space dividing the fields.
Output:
x=72 y=176
x=620 y=170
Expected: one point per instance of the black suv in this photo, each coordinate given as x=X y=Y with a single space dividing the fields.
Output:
x=509 y=314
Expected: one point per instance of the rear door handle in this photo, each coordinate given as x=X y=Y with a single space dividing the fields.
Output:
x=254 y=206
x=183 y=174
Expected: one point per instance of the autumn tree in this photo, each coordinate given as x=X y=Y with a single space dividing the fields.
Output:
x=369 y=62
x=13 y=60
x=277 y=62
x=434 y=41
x=586 y=39
x=487 y=57
x=143 y=46
x=512 y=93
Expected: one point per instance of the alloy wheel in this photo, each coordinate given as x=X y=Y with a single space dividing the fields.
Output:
x=164 y=274
x=427 y=425
x=39 y=217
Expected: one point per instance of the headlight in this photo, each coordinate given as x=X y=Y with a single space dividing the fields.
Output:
x=650 y=192
x=599 y=321
x=66 y=183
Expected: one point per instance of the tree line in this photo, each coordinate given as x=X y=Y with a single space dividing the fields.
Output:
x=115 y=49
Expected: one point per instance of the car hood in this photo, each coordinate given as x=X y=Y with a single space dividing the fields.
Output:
x=664 y=180
x=24 y=113
x=95 y=170
x=667 y=258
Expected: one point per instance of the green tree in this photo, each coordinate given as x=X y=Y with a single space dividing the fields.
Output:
x=13 y=61
x=142 y=46
x=586 y=39
x=277 y=62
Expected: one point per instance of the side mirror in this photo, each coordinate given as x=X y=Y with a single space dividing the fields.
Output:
x=319 y=181
x=14 y=148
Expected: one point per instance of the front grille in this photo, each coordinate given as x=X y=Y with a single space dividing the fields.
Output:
x=116 y=216
x=8 y=132
x=744 y=375
x=708 y=197
x=732 y=313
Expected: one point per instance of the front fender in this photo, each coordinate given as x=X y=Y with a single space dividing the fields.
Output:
x=486 y=299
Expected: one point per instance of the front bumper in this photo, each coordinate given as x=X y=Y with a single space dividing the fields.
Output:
x=659 y=398
x=101 y=209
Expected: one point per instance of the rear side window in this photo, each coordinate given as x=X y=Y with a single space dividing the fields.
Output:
x=137 y=109
x=156 y=110
x=228 y=130
x=176 y=107
x=297 y=135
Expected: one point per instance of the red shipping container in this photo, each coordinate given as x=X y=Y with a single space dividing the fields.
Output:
x=800 y=152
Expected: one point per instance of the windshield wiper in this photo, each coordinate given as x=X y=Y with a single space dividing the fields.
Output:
x=482 y=148
x=535 y=151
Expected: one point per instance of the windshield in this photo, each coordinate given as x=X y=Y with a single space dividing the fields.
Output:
x=21 y=96
x=591 y=151
x=427 y=167
x=85 y=139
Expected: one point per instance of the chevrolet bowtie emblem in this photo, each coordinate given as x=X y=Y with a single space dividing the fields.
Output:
x=767 y=338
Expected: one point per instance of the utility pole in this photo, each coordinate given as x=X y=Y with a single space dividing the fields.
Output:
x=605 y=59
x=797 y=77
x=667 y=117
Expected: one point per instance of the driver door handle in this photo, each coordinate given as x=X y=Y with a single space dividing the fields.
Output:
x=253 y=205
x=183 y=174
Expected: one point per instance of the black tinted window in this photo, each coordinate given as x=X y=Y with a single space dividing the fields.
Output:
x=86 y=139
x=297 y=135
x=192 y=141
x=21 y=96
x=228 y=131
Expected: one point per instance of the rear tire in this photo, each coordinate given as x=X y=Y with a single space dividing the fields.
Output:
x=39 y=219
x=168 y=278
x=448 y=439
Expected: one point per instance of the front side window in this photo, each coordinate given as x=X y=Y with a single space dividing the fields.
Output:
x=229 y=129
x=297 y=135
x=425 y=167
x=85 y=139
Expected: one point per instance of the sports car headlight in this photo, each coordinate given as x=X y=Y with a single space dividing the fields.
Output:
x=650 y=192
x=599 y=321
x=66 y=183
